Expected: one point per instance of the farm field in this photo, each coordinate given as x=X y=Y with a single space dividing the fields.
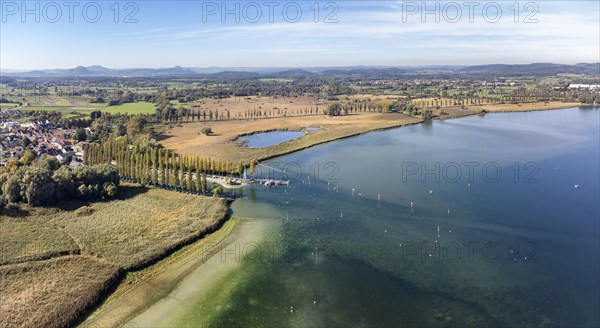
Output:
x=78 y=106
x=132 y=108
x=278 y=106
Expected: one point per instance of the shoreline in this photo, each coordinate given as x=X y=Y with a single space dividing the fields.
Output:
x=185 y=140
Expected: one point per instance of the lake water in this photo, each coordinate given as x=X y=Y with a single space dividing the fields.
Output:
x=266 y=139
x=473 y=222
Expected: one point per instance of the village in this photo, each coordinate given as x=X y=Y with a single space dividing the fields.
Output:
x=38 y=137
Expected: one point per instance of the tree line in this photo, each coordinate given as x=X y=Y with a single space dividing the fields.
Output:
x=151 y=165
x=44 y=181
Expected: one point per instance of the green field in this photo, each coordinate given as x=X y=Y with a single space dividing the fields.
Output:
x=81 y=106
x=67 y=112
x=132 y=108
x=176 y=104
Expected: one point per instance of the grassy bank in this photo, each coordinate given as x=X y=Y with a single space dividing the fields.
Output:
x=136 y=230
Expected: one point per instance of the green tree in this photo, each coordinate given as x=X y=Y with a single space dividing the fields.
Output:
x=240 y=168
x=28 y=158
x=198 y=180
x=80 y=135
x=427 y=114
x=204 y=183
x=25 y=142
x=136 y=125
x=217 y=191
x=334 y=109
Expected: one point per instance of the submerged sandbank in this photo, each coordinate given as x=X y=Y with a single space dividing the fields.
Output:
x=203 y=278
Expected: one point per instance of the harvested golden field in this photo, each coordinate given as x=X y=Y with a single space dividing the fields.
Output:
x=455 y=112
x=142 y=226
x=187 y=139
x=525 y=107
x=52 y=293
x=277 y=106
x=458 y=111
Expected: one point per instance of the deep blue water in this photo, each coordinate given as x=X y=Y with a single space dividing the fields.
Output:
x=497 y=234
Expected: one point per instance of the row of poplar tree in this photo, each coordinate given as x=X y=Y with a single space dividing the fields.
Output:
x=160 y=167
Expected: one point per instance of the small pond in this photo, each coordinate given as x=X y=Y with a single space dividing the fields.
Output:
x=266 y=139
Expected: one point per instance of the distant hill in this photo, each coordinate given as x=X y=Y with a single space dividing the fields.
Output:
x=234 y=75
x=96 y=70
x=537 y=69
x=363 y=71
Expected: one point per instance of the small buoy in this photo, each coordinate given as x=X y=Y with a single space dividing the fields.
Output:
x=431 y=191
x=385 y=230
x=469 y=184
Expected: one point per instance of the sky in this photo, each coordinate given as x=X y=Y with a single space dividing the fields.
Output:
x=272 y=33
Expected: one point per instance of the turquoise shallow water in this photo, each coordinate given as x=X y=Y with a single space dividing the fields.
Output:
x=497 y=234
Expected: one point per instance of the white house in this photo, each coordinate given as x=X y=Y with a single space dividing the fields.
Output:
x=584 y=86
